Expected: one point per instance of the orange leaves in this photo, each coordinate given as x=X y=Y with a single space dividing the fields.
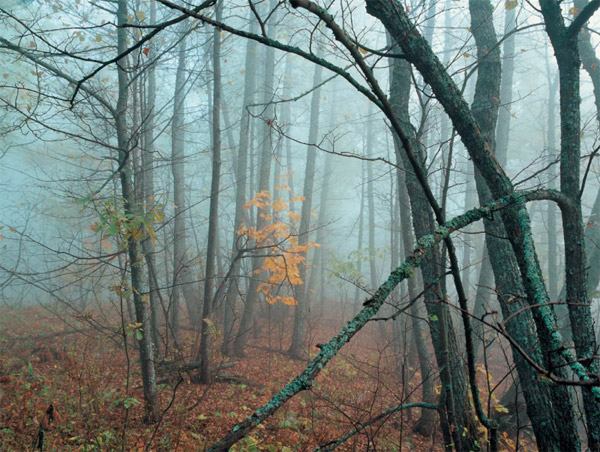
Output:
x=281 y=266
x=294 y=216
x=260 y=201
x=279 y=205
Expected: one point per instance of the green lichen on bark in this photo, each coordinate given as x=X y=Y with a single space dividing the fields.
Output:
x=371 y=307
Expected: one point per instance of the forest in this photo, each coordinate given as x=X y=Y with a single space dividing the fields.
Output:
x=299 y=225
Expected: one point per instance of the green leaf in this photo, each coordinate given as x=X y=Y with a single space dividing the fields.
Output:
x=139 y=335
x=30 y=369
x=112 y=229
x=433 y=318
x=130 y=401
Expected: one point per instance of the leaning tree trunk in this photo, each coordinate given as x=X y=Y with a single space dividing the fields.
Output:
x=564 y=40
x=516 y=217
x=485 y=111
x=452 y=369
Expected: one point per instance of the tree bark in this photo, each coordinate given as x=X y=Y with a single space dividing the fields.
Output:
x=178 y=170
x=303 y=307
x=247 y=320
x=424 y=426
x=151 y=406
x=149 y=111
x=213 y=219
x=486 y=112
x=566 y=48
x=450 y=363
x=240 y=180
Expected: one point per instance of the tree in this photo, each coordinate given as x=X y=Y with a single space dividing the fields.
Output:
x=207 y=307
x=409 y=91
x=302 y=309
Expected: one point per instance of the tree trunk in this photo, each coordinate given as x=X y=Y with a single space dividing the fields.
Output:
x=151 y=407
x=470 y=200
x=566 y=49
x=240 y=180
x=515 y=218
x=178 y=169
x=286 y=118
x=213 y=221
x=247 y=320
x=317 y=274
x=149 y=112
x=452 y=368
x=361 y=223
x=424 y=426
x=551 y=212
x=302 y=310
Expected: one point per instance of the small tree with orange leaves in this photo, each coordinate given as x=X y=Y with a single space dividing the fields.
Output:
x=281 y=264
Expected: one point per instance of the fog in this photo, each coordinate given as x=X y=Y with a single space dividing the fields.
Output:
x=212 y=176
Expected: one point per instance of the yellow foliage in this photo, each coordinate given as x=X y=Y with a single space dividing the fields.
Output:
x=277 y=239
x=279 y=205
x=282 y=186
x=298 y=199
x=260 y=201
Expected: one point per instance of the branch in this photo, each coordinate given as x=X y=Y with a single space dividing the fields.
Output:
x=584 y=15
x=137 y=45
x=15 y=48
x=331 y=445
x=275 y=44
x=305 y=379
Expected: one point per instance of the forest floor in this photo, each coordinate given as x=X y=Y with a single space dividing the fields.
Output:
x=83 y=376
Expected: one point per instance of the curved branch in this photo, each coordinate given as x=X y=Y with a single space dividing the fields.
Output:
x=581 y=18
x=305 y=379
x=331 y=445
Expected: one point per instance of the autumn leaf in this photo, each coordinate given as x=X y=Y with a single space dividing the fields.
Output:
x=511 y=4
x=501 y=409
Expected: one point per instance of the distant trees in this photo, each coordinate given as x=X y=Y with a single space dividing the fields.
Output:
x=253 y=247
